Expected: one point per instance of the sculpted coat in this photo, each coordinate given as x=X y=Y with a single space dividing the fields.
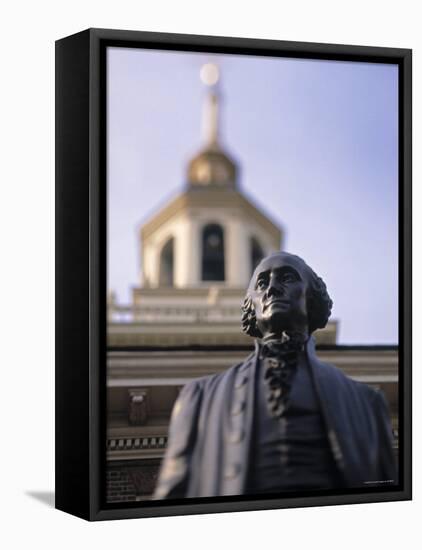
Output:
x=212 y=427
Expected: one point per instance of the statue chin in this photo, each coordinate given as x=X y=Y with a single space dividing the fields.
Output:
x=279 y=320
x=276 y=323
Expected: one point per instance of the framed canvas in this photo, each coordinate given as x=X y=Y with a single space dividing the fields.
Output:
x=233 y=274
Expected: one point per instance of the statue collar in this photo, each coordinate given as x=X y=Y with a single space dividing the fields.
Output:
x=290 y=342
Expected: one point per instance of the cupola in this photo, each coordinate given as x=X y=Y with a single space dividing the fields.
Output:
x=212 y=166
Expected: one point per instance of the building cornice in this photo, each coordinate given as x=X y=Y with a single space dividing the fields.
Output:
x=126 y=368
x=210 y=198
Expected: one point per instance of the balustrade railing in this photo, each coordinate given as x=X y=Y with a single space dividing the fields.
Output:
x=169 y=314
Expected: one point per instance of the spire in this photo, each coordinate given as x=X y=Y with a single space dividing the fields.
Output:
x=210 y=123
x=212 y=166
x=210 y=119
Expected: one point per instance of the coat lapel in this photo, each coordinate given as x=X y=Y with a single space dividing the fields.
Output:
x=327 y=406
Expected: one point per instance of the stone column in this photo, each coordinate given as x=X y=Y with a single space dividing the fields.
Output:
x=193 y=275
x=237 y=270
x=187 y=253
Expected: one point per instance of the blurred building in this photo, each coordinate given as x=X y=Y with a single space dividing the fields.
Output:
x=197 y=255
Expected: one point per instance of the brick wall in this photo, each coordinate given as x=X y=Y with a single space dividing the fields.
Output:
x=130 y=482
x=120 y=487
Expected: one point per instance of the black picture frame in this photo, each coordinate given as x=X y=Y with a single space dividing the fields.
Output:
x=81 y=268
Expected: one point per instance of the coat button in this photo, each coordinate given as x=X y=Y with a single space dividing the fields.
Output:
x=238 y=407
x=236 y=436
x=232 y=471
x=240 y=381
x=335 y=447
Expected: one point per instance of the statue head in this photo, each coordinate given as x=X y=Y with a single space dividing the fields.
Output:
x=284 y=294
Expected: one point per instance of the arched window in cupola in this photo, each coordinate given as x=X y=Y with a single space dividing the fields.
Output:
x=213 y=253
x=256 y=253
x=167 y=264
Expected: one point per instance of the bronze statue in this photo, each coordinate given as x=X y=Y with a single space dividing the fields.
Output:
x=281 y=420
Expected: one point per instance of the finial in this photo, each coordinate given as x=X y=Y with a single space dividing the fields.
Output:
x=210 y=75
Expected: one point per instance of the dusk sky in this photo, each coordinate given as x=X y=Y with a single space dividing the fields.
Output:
x=317 y=146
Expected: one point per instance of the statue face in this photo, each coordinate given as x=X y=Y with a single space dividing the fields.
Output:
x=278 y=290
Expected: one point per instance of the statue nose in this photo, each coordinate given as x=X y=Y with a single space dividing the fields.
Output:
x=274 y=290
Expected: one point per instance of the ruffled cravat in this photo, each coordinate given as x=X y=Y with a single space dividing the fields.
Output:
x=280 y=359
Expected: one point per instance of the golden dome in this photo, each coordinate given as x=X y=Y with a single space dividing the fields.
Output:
x=212 y=167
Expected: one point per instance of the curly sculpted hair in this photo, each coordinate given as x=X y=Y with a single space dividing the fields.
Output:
x=319 y=305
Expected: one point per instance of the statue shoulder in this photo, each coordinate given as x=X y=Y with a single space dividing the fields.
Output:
x=231 y=372
x=199 y=386
x=338 y=377
x=331 y=372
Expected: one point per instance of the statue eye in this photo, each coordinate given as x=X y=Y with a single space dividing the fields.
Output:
x=261 y=284
x=289 y=278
